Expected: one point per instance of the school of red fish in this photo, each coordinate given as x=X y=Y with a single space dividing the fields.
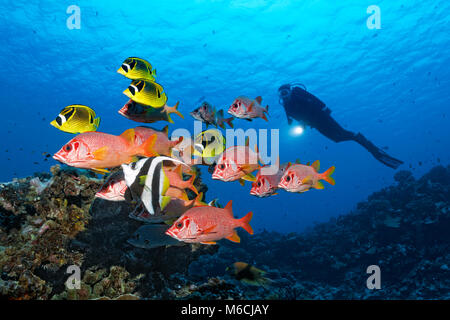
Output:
x=157 y=172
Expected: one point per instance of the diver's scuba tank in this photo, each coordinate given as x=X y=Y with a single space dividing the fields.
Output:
x=304 y=97
x=297 y=92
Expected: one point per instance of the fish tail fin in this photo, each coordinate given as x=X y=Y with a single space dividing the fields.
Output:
x=220 y=119
x=229 y=122
x=198 y=200
x=244 y=222
x=146 y=149
x=97 y=122
x=190 y=183
x=264 y=116
x=174 y=109
x=327 y=176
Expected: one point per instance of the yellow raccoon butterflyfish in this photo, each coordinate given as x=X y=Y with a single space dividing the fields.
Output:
x=76 y=118
x=209 y=144
x=137 y=69
x=147 y=93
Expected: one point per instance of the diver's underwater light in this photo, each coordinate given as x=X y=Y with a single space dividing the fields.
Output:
x=297 y=130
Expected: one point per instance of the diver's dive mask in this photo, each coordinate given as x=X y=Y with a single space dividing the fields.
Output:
x=284 y=92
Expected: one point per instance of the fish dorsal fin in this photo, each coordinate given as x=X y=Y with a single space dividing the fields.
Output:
x=297 y=161
x=229 y=208
x=166 y=130
x=258 y=99
x=241 y=182
x=128 y=135
x=100 y=153
x=308 y=163
x=316 y=165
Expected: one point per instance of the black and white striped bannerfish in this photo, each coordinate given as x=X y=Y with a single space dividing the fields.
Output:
x=148 y=182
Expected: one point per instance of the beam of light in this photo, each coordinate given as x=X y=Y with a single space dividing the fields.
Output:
x=297 y=130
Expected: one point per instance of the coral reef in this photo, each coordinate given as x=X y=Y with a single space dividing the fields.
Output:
x=402 y=228
x=49 y=222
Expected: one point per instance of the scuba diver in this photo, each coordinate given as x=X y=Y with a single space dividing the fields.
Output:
x=304 y=107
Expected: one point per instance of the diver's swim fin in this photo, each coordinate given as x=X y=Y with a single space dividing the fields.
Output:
x=379 y=154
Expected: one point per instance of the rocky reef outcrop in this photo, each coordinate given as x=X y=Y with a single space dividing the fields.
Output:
x=51 y=221
x=403 y=229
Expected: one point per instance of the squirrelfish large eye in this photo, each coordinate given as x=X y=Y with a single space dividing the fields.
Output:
x=259 y=183
x=179 y=225
x=221 y=166
x=288 y=178
x=67 y=147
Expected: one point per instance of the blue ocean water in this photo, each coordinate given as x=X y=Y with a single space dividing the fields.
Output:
x=391 y=84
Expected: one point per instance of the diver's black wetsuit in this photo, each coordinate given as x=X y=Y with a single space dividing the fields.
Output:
x=304 y=107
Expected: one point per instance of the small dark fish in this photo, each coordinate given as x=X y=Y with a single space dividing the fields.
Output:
x=152 y=236
x=246 y=273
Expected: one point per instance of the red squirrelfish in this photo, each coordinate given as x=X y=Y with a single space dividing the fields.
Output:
x=235 y=163
x=97 y=150
x=208 y=224
x=163 y=145
x=267 y=185
x=301 y=178
x=114 y=188
x=245 y=108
